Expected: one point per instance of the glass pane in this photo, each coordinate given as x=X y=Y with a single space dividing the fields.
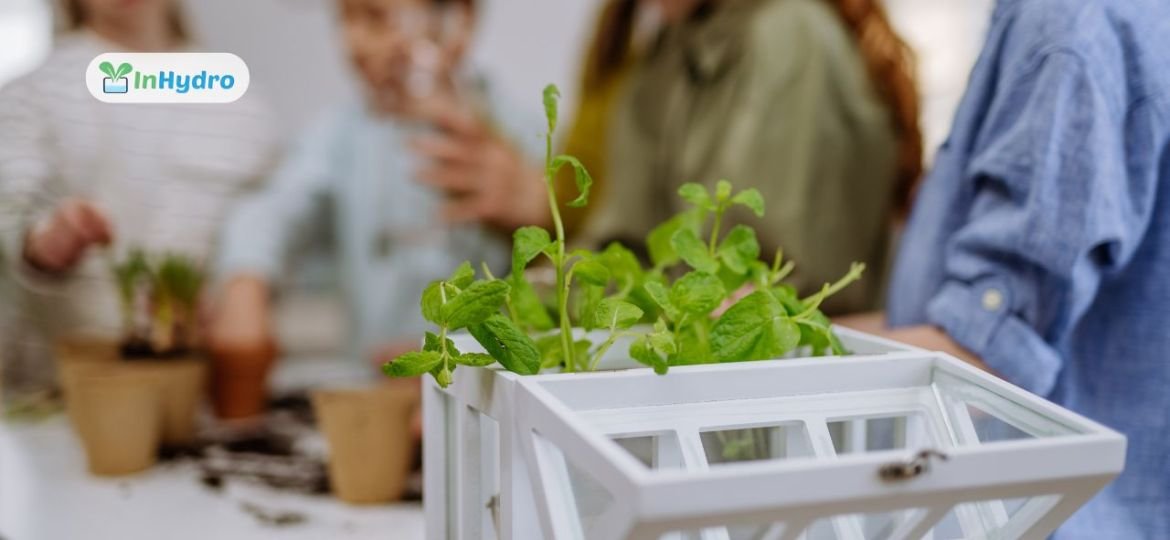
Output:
x=767 y=531
x=979 y=416
x=659 y=451
x=573 y=493
x=784 y=441
x=992 y=519
x=593 y=501
x=880 y=433
x=875 y=526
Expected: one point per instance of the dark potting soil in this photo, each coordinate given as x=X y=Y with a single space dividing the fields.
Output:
x=140 y=349
x=268 y=453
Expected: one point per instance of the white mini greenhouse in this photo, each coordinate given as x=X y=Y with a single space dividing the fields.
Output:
x=890 y=443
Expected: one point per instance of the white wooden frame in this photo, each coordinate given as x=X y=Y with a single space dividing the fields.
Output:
x=542 y=421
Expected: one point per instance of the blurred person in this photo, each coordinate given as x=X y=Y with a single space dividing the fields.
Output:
x=78 y=176
x=811 y=101
x=1039 y=245
x=356 y=173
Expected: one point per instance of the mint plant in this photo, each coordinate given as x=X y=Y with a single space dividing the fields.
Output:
x=670 y=321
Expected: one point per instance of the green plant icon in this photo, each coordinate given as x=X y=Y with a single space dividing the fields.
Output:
x=115 y=74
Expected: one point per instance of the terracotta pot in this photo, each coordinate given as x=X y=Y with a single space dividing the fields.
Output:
x=181 y=383
x=239 y=380
x=370 y=443
x=117 y=414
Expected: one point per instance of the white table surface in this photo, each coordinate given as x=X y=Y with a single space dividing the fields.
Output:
x=46 y=494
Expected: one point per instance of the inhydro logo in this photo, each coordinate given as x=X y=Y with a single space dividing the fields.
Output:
x=167 y=77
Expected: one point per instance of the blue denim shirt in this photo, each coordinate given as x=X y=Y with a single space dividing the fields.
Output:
x=1041 y=241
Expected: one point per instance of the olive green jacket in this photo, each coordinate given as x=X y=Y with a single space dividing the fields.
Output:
x=771 y=94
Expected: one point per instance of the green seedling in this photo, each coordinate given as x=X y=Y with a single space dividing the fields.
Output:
x=612 y=291
x=172 y=285
x=115 y=73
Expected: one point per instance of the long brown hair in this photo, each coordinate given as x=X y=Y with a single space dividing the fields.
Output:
x=73 y=13
x=891 y=66
x=889 y=62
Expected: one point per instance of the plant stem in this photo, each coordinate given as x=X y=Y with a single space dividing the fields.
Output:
x=512 y=313
x=559 y=260
x=813 y=302
x=715 y=229
x=443 y=352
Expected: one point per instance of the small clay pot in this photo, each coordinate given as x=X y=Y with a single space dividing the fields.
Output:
x=239 y=380
x=371 y=447
x=86 y=349
x=117 y=414
x=79 y=353
x=181 y=383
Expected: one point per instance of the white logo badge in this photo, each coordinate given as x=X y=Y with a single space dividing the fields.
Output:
x=167 y=77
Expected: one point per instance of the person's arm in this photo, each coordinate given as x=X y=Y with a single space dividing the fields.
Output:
x=927 y=337
x=1055 y=208
x=257 y=236
x=44 y=232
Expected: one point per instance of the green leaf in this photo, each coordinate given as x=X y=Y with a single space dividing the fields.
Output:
x=442 y=376
x=463 y=276
x=550 y=351
x=642 y=351
x=432 y=302
x=475 y=359
x=722 y=191
x=509 y=345
x=551 y=95
x=584 y=181
x=431 y=343
x=663 y=342
x=553 y=249
x=616 y=314
x=661 y=296
x=529 y=309
x=752 y=199
x=413 y=364
x=817 y=332
x=692 y=349
x=588 y=297
x=622 y=263
x=789 y=298
x=553 y=353
x=785 y=336
x=697 y=195
x=658 y=242
x=591 y=271
x=108 y=69
x=527 y=243
x=688 y=246
x=475 y=304
x=739 y=249
x=123 y=70
x=745 y=329
x=697 y=293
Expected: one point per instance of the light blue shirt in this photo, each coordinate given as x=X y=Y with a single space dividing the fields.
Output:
x=352 y=174
x=1041 y=241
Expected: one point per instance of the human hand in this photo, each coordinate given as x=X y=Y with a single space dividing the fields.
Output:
x=484 y=177
x=57 y=244
x=241 y=321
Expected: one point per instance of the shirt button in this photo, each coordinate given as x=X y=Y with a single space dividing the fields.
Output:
x=992 y=299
